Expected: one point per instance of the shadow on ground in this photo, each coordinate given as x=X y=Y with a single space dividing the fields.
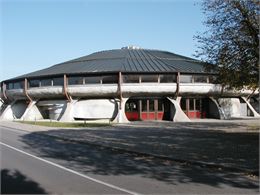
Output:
x=90 y=159
x=14 y=182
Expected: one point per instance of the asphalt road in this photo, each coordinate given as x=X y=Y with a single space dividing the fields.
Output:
x=40 y=164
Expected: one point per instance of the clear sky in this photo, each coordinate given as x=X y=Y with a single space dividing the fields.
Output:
x=36 y=34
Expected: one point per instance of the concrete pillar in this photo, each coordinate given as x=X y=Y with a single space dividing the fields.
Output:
x=121 y=117
x=220 y=110
x=7 y=113
x=32 y=112
x=255 y=114
x=179 y=115
x=67 y=116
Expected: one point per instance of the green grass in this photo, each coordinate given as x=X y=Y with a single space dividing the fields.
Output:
x=62 y=124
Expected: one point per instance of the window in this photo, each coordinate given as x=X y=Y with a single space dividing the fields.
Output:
x=46 y=82
x=149 y=78
x=151 y=105
x=76 y=81
x=144 y=105
x=192 y=105
x=92 y=80
x=34 y=83
x=185 y=79
x=130 y=78
x=131 y=106
x=10 y=86
x=167 y=78
x=110 y=79
x=58 y=81
x=18 y=85
x=200 y=79
x=198 y=104
x=183 y=104
x=212 y=79
x=160 y=105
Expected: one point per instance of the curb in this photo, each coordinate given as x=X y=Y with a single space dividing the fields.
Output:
x=162 y=157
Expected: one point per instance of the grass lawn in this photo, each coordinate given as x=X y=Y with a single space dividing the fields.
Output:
x=62 y=124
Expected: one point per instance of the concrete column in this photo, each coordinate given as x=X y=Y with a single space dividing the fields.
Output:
x=220 y=110
x=32 y=112
x=8 y=114
x=251 y=108
x=67 y=116
x=178 y=115
x=121 y=117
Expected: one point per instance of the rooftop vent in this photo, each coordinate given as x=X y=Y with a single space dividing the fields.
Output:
x=131 y=47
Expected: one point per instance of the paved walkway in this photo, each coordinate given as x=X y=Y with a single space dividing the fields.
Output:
x=227 y=144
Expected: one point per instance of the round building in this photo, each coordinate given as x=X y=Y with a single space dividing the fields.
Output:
x=122 y=85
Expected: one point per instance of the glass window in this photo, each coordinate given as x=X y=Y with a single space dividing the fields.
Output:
x=149 y=78
x=58 y=81
x=167 y=78
x=191 y=105
x=185 y=79
x=160 y=105
x=10 y=86
x=198 y=104
x=18 y=85
x=151 y=105
x=46 y=82
x=200 y=79
x=34 y=83
x=183 y=104
x=212 y=79
x=75 y=81
x=92 y=80
x=110 y=79
x=130 y=78
x=144 y=105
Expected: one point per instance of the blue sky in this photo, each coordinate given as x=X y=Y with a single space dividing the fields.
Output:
x=36 y=34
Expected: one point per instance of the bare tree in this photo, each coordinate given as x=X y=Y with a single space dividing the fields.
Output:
x=231 y=41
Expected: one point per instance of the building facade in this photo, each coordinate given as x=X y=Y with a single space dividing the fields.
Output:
x=123 y=85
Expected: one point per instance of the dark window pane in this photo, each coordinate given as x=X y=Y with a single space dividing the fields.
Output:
x=34 y=83
x=144 y=105
x=160 y=105
x=200 y=79
x=151 y=105
x=185 y=78
x=192 y=106
x=92 y=80
x=18 y=85
x=197 y=104
x=110 y=79
x=149 y=78
x=183 y=104
x=130 y=78
x=212 y=79
x=46 y=82
x=75 y=81
x=167 y=78
x=58 y=81
x=10 y=86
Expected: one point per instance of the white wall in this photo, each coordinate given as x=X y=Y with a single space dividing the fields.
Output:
x=230 y=106
x=95 y=109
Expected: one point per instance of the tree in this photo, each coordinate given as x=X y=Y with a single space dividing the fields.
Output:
x=231 y=41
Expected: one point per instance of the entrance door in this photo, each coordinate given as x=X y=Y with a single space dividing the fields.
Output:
x=152 y=109
x=192 y=107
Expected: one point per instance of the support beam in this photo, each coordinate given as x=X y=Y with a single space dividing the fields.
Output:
x=178 y=84
x=25 y=88
x=120 y=89
x=4 y=91
x=65 y=87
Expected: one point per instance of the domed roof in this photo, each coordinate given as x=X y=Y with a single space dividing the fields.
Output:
x=125 y=60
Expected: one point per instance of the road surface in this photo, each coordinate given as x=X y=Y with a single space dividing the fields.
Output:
x=40 y=164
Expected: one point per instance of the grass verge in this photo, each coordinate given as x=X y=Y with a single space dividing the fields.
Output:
x=62 y=124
